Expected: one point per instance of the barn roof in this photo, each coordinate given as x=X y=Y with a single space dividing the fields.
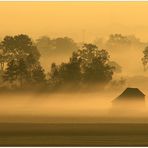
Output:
x=130 y=93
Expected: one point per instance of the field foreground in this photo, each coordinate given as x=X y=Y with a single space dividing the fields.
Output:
x=97 y=134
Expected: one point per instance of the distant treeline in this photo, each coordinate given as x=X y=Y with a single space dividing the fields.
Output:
x=88 y=65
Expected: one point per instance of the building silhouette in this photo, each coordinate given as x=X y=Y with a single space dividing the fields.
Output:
x=130 y=97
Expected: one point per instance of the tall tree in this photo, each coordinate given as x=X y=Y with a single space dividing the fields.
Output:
x=88 y=65
x=19 y=46
x=38 y=76
x=10 y=74
x=22 y=72
x=95 y=64
x=19 y=49
x=66 y=73
x=54 y=76
x=16 y=71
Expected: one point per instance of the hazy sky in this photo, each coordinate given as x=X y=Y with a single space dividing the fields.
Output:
x=83 y=21
x=74 y=18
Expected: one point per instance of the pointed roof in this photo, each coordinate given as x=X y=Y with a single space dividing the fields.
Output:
x=130 y=93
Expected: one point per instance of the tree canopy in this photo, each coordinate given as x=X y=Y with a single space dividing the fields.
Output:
x=88 y=65
x=60 y=45
x=21 y=58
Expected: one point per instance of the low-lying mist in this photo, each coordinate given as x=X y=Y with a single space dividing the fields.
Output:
x=66 y=107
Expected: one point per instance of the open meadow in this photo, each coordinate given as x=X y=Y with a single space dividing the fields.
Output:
x=41 y=134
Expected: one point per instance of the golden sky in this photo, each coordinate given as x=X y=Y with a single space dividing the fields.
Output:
x=73 y=18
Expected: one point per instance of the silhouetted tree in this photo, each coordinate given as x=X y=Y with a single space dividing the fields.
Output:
x=38 y=76
x=56 y=46
x=54 y=76
x=10 y=74
x=95 y=64
x=117 y=40
x=22 y=72
x=44 y=45
x=66 y=73
x=145 y=58
x=22 y=60
x=16 y=71
x=88 y=66
x=19 y=46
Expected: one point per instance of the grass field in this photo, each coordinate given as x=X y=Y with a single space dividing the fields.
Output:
x=40 y=134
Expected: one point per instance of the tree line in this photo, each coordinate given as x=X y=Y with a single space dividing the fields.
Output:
x=88 y=66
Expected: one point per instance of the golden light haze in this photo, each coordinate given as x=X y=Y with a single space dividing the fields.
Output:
x=83 y=22
x=74 y=18
x=80 y=107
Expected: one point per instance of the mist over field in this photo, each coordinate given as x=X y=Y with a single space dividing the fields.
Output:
x=73 y=74
x=67 y=65
x=69 y=108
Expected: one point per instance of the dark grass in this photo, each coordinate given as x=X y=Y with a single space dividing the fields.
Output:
x=97 y=134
